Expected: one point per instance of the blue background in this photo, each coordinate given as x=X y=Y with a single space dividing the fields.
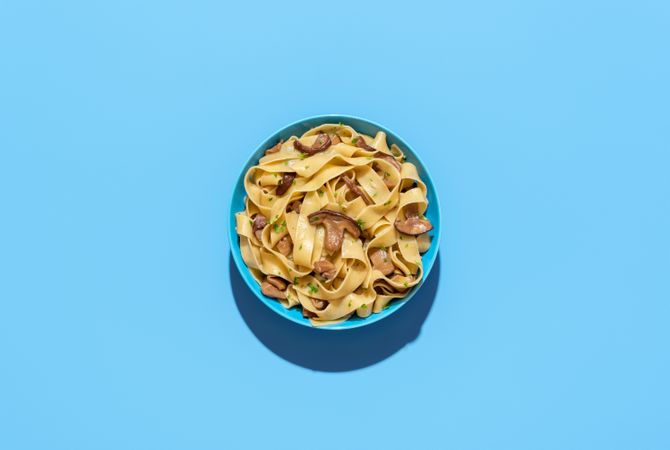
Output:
x=543 y=326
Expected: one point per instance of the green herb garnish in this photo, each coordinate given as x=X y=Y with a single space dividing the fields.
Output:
x=312 y=288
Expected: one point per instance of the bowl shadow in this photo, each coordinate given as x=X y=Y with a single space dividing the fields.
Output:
x=335 y=351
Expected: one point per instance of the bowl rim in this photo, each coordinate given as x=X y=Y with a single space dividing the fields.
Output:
x=234 y=240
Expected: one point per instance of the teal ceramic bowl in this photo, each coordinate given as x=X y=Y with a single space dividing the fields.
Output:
x=364 y=126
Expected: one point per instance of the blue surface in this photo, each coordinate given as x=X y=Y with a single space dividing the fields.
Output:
x=362 y=126
x=123 y=324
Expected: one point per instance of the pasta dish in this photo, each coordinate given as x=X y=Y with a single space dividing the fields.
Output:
x=334 y=223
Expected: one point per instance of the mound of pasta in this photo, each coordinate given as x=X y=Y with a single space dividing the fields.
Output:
x=334 y=223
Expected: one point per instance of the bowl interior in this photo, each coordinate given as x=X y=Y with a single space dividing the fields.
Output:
x=366 y=127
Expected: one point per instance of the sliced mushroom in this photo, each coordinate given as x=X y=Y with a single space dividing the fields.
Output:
x=285 y=182
x=388 y=158
x=285 y=245
x=272 y=287
x=381 y=261
x=277 y=282
x=335 y=140
x=319 y=304
x=294 y=206
x=360 y=143
x=413 y=224
x=335 y=223
x=320 y=145
x=307 y=313
x=259 y=223
x=356 y=189
x=326 y=269
x=275 y=148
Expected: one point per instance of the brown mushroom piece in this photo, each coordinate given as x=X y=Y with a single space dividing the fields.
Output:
x=277 y=282
x=388 y=158
x=275 y=148
x=335 y=224
x=319 y=304
x=325 y=269
x=320 y=145
x=360 y=143
x=259 y=223
x=285 y=245
x=413 y=224
x=381 y=261
x=294 y=206
x=285 y=183
x=356 y=189
x=273 y=287
x=307 y=313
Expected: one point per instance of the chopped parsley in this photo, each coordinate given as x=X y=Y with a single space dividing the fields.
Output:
x=295 y=280
x=300 y=248
x=270 y=199
x=387 y=202
x=312 y=288
x=251 y=222
x=349 y=303
x=354 y=140
x=274 y=174
x=405 y=284
x=360 y=223
x=364 y=306
x=320 y=192
x=303 y=155
x=279 y=228
x=369 y=157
